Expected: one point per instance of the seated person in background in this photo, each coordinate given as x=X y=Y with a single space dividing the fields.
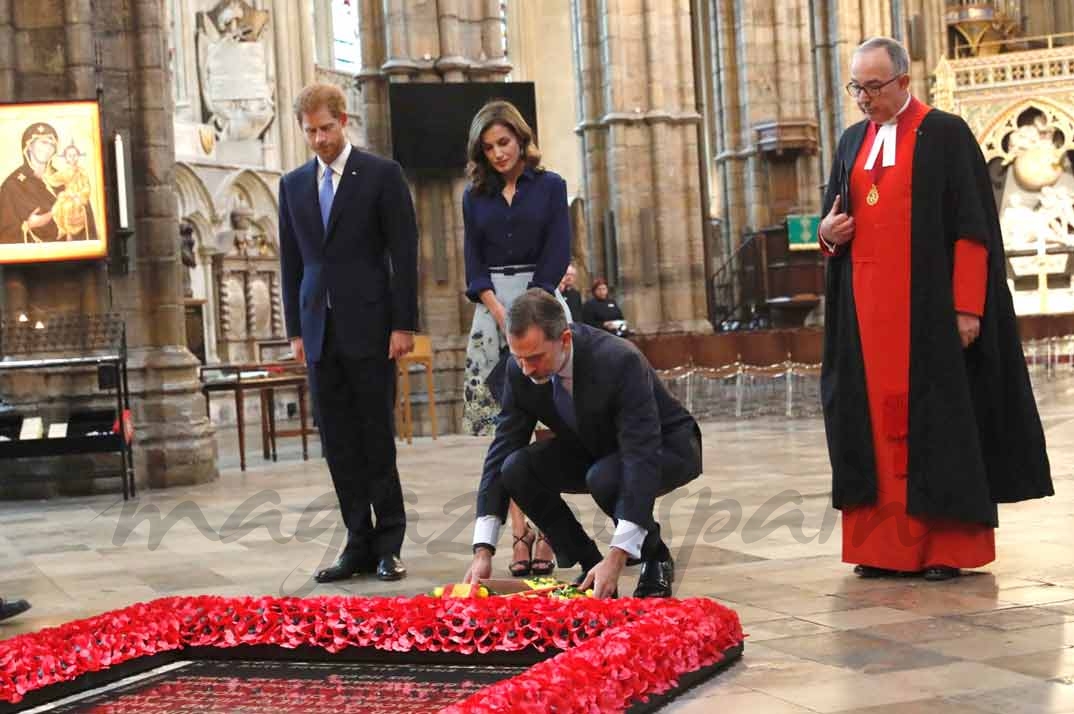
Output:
x=570 y=292
x=602 y=312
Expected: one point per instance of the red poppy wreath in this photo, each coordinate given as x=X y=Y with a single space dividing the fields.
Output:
x=612 y=654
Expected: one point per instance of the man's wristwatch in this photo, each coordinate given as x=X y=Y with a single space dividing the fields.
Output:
x=492 y=548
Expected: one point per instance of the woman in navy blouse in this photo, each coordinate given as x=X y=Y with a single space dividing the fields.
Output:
x=517 y=236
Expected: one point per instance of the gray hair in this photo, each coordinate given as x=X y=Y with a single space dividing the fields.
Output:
x=536 y=307
x=900 y=58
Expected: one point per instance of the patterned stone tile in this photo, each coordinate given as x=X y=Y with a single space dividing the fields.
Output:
x=1038 y=698
x=996 y=640
x=1053 y=665
x=860 y=652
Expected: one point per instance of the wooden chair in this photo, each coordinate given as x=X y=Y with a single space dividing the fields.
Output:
x=422 y=356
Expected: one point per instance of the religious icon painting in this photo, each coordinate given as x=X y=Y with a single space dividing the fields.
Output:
x=52 y=198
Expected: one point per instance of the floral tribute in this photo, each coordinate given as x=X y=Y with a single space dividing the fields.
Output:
x=612 y=653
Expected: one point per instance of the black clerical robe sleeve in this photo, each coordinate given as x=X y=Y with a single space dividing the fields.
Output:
x=971 y=205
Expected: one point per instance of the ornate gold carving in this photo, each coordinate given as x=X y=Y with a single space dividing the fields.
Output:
x=943 y=86
x=983 y=27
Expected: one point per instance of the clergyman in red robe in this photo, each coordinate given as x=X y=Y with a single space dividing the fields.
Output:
x=929 y=413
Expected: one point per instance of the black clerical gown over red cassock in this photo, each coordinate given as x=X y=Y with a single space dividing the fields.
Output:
x=924 y=437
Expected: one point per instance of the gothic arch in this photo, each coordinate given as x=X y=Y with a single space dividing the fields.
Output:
x=1006 y=121
x=194 y=197
x=252 y=189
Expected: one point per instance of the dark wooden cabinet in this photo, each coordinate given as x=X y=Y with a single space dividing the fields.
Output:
x=785 y=284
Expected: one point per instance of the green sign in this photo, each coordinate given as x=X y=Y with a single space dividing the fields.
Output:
x=802 y=231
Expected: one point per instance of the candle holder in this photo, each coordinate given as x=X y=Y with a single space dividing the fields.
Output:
x=122 y=253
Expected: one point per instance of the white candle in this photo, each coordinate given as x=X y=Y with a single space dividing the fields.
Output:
x=121 y=182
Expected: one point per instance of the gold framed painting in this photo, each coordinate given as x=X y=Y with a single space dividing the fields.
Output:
x=52 y=199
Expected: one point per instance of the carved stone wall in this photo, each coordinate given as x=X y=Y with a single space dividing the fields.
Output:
x=237 y=66
x=1020 y=104
x=59 y=43
x=234 y=216
x=236 y=69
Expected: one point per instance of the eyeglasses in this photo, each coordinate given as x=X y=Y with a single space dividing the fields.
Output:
x=873 y=90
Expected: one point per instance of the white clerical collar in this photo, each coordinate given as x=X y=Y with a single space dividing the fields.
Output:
x=905 y=105
x=885 y=139
x=338 y=164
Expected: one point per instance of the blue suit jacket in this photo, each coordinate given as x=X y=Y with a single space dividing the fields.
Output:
x=620 y=406
x=366 y=259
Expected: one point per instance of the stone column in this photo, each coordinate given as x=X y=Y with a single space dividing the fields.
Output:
x=769 y=112
x=175 y=439
x=7 y=50
x=55 y=57
x=540 y=37
x=637 y=92
x=373 y=83
x=587 y=48
x=292 y=32
x=78 y=26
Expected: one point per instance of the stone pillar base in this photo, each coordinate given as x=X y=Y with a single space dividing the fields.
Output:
x=174 y=440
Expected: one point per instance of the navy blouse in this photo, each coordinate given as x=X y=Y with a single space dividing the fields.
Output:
x=533 y=230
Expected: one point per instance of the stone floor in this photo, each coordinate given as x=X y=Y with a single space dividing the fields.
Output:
x=754 y=532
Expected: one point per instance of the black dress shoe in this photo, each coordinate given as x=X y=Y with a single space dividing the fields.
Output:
x=391 y=567
x=577 y=583
x=10 y=608
x=941 y=572
x=656 y=578
x=869 y=571
x=347 y=565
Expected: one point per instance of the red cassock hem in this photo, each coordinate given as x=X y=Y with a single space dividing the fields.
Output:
x=886 y=537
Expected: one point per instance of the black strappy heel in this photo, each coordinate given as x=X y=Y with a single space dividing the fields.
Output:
x=540 y=566
x=524 y=566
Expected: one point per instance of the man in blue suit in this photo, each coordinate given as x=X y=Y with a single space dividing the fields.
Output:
x=620 y=436
x=348 y=254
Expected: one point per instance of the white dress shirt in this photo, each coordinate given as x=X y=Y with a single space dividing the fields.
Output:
x=337 y=166
x=628 y=536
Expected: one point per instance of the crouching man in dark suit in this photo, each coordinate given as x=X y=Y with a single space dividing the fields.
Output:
x=620 y=436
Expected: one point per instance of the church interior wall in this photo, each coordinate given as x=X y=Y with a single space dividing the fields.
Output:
x=619 y=86
x=62 y=49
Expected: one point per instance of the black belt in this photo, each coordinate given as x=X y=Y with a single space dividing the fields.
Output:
x=512 y=269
